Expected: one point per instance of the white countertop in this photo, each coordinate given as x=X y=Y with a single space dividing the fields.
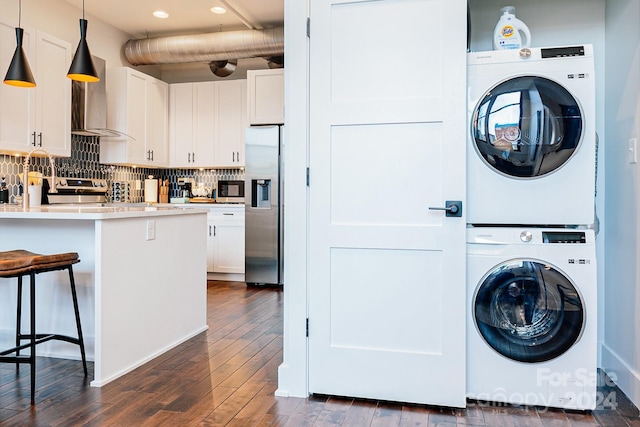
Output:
x=202 y=205
x=93 y=212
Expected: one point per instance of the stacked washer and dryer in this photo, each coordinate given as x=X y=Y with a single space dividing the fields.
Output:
x=531 y=296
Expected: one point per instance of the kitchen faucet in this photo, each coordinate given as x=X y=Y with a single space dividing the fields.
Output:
x=25 y=177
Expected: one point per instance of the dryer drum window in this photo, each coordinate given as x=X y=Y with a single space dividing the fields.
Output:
x=528 y=311
x=527 y=127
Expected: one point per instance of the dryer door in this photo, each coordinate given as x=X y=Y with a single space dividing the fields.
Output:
x=527 y=127
x=528 y=311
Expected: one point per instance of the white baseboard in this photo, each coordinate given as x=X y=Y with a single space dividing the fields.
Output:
x=626 y=377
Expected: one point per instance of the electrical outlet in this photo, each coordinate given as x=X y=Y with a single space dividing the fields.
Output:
x=633 y=151
x=151 y=229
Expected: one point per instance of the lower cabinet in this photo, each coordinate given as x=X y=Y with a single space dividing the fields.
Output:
x=225 y=240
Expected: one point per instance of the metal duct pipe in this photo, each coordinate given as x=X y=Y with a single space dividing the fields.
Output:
x=209 y=47
x=223 y=68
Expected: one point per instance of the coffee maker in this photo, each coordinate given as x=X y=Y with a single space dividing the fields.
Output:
x=185 y=185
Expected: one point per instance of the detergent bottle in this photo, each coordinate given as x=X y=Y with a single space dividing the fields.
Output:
x=510 y=32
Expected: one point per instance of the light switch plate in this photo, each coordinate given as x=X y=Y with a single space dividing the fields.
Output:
x=151 y=229
x=633 y=151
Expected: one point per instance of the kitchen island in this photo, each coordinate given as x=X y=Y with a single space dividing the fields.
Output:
x=141 y=280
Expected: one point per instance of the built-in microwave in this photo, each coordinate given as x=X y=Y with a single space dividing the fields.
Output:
x=230 y=192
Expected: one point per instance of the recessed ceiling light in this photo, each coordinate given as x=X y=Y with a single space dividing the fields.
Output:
x=160 y=14
x=219 y=10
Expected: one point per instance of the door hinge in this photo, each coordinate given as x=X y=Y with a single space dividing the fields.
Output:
x=307 y=327
x=309 y=27
x=307 y=177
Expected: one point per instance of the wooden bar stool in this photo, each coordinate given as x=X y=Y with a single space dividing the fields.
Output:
x=20 y=263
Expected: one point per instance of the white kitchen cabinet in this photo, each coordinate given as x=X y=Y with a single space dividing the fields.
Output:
x=265 y=89
x=225 y=239
x=231 y=121
x=207 y=122
x=40 y=116
x=137 y=107
x=192 y=124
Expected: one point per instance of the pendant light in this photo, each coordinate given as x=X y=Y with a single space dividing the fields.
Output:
x=19 y=72
x=82 y=68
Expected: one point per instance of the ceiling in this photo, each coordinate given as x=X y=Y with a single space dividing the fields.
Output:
x=185 y=16
x=135 y=17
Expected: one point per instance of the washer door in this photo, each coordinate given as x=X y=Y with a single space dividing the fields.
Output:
x=528 y=311
x=527 y=127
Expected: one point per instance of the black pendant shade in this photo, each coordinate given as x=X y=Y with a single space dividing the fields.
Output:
x=19 y=72
x=82 y=68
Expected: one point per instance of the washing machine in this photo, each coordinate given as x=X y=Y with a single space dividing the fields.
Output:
x=531 y=152
x=532 y=316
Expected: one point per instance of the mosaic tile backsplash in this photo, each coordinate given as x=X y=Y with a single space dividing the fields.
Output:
x=85 y=163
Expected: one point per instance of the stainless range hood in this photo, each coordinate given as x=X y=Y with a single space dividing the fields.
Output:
x=89 y=105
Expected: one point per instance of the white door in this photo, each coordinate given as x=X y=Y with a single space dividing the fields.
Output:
x=387 y=141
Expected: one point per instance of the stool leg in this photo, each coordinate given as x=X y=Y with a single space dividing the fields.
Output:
x=77 y=312
x=32 y=348
x=18 y=318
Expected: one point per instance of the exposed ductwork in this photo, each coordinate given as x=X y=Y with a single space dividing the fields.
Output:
x=223 y=68
x=207 y=48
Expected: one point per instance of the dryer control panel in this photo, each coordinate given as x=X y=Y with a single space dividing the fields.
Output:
x=564 y=237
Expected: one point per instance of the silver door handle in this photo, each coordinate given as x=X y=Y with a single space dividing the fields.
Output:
x=453 y=208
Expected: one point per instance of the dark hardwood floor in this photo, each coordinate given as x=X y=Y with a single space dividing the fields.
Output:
x=227 y=376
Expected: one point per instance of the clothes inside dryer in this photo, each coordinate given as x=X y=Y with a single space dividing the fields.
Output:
x=528 y=311
x=527 y=126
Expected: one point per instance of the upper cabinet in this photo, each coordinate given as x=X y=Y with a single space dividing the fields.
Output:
x=231 y=121
x=207 y=122
x=40 y=116
x=137 y=106
x=192 y=127
x=265 y=90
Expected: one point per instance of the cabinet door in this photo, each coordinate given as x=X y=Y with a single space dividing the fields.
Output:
x=53 y=95
x=231 y=106
x=181 y=124
x=228 y=247
x=17 y=105
x=266 y=96
x=210 y=246
x=157 y=141
x=204 y=95
x=137 y=117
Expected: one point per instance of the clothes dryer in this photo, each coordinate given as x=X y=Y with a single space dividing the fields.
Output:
x=532 y=321
x=531 y=155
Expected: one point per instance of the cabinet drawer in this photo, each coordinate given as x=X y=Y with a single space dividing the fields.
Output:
x=228 y=214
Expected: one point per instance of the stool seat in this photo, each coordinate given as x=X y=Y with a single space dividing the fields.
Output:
x=19 y=263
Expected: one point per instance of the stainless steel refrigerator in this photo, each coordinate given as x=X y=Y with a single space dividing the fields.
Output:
x=264 y=206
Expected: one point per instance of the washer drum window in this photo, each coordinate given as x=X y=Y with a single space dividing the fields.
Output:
x=528 y=311
x=527 y=127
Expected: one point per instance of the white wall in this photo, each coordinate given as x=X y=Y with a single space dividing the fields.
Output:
x=621 y=345
x=292 y=374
